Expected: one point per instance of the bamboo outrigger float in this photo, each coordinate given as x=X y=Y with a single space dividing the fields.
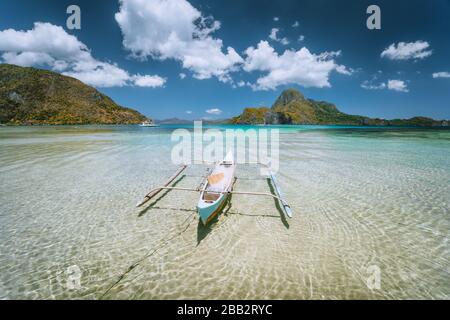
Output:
x=216 y=188
x=155 y=191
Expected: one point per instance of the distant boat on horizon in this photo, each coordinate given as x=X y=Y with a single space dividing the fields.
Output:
x=148 y=123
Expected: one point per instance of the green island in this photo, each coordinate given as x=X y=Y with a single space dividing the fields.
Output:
x=292 y=107
x=31 y=96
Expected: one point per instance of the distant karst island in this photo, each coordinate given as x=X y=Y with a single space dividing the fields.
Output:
x=31 y=96
x=292 y=107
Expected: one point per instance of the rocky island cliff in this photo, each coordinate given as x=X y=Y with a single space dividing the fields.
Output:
x=292 y=107
x=34 y=96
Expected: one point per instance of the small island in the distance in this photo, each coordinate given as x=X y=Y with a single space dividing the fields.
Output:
x=31 y=96
x=292 y=107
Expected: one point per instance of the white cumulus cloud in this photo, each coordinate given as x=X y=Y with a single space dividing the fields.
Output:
x=443 y=74
x=174 y=29
x=375 y=84
x=241 y=83
x=214 y=111
x=344 y=70
x=28 y=58
x=292 y=67
x=397 y=85
x=149 y=81
x=50 y=45
x=407 y=50
x=273 y=36
x=295 y=24
x=372 y=86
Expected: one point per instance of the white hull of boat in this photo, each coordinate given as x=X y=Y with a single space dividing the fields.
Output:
x=215 y=191
x=149 y=125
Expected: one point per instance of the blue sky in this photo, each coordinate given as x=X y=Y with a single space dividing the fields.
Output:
x=243 y=53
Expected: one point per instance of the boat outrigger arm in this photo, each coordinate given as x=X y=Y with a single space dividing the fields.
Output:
x=278 y=196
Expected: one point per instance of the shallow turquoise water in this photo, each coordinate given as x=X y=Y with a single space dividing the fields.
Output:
x=361 y=197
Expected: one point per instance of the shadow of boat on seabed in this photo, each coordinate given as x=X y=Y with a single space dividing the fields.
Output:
x=202 y=230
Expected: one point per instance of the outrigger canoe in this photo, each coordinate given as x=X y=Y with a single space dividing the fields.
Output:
x=216 y=188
